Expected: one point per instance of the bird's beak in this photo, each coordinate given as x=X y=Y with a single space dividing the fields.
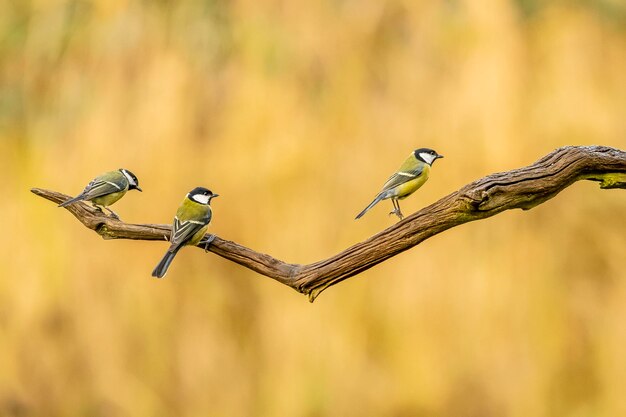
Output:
x=138 y=189
x=215 y=195
x=439 y=156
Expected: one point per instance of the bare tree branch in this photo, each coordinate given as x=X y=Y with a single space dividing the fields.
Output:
x=522 y=188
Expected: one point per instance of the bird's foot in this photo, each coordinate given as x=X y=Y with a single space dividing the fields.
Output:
x=113 y=214
x=398 y=213
x=207 y=242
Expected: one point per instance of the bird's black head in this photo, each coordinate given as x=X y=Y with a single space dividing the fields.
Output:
x=133 y=182
x=426 y=155
x=201 y=195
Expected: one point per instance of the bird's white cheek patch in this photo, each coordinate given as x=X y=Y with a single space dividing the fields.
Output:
x=202 y=199
x=128 y=177
x=427 y=157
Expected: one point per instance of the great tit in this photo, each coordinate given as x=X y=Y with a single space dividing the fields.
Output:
x=412 y=175
x=106 y=189
x=190 y=224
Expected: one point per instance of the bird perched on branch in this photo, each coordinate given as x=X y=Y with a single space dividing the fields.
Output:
x=190 y=224
x=106 y=189
x=412 y=175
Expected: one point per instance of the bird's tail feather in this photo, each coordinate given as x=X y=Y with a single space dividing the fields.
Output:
x=379 y=197
x=71 y=200
x=161 y=268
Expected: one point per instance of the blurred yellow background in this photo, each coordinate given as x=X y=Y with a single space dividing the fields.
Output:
x=296 y=113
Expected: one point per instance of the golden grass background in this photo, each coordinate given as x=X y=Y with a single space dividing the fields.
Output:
x=296 y=113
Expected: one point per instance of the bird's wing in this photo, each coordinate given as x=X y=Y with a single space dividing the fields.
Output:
x=99 y=187
x=183 y=230
x=401 y=177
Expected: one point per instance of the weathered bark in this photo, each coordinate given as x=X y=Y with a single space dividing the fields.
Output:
x=522 y=188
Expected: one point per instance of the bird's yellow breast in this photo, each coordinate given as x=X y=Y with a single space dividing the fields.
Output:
x=409 y=187
x=107 y=200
